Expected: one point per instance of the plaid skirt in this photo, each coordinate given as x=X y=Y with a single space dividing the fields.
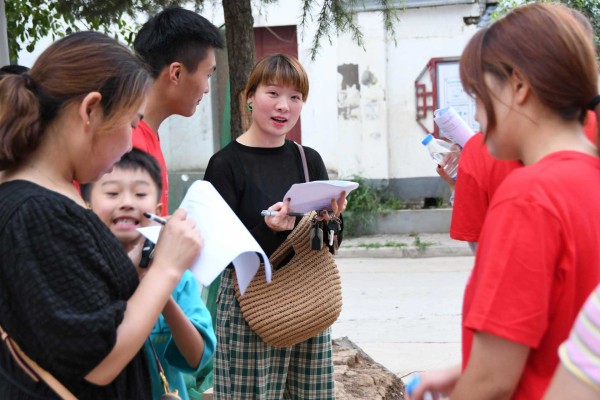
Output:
x=245 y=367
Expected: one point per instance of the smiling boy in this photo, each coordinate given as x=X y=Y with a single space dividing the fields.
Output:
x=183 y=337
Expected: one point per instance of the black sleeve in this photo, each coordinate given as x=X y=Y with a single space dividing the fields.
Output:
x=220 y=173
x=316 y=166
x=62 y=298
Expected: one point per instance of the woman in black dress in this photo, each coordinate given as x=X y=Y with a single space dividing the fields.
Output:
x=69 y=295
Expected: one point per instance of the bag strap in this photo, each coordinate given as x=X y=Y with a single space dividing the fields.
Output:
x=161 y=371
x=32 y=369
x=281 y=250
x=303 y=157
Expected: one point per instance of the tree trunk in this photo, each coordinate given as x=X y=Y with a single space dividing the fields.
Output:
x=239 y=34
x=4 y=57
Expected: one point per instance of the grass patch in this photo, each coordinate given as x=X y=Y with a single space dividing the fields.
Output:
x=422 y=246
x=379 y=245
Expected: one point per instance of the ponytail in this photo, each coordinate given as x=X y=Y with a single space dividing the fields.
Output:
x=20 y=119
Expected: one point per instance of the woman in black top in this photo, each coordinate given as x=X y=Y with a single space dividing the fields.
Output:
x=69 y=294
x=253 y=173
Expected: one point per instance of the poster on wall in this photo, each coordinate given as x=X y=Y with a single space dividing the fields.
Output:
x=450 y=92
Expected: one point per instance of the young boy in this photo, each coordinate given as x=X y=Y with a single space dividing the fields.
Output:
x=183 y=337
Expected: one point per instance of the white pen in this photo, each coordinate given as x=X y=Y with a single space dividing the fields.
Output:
x=269 y=213
x=155 y=218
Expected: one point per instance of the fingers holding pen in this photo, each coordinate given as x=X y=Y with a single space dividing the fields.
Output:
x=280 y=221
x=180 y=242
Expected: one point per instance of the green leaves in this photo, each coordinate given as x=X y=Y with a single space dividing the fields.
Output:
x=28 y=21
x=337 y=16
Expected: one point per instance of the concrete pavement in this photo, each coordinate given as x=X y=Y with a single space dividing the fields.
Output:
x=404 y=312
x=415 y=245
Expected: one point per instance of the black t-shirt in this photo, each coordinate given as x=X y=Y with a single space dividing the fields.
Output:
x=64 y=285
x=251 y=179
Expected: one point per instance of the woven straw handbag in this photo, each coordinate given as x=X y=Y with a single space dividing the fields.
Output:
x=304 y=297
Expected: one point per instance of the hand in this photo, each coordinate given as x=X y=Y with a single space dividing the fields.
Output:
x=439 y=383
x=179 y=243
x=281 y=222
x=337 y=208
x=135 y=251
x=442 y=173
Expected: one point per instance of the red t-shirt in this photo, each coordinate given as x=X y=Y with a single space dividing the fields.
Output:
x=146 y=140
x=479 y=175
x=537 y=261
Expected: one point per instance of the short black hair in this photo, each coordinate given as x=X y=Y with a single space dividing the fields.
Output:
x=134 y=160
x=13 y=69
x=176 y=34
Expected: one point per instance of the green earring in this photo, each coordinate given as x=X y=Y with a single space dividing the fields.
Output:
x=249 y=106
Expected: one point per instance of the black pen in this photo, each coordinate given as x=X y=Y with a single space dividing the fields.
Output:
x=155 y=218
x=269 y=213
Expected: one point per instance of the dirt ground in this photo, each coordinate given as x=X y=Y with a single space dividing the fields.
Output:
x=359 y=377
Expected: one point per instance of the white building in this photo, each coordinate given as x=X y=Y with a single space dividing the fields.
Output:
x=361 y=113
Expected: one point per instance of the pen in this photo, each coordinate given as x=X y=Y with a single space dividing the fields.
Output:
x=156 y=218
x=268 y=213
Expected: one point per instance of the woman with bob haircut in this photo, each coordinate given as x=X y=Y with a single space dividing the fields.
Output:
x=253 y=173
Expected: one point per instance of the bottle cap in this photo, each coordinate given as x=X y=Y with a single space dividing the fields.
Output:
x=427 y=139
x=412 y=384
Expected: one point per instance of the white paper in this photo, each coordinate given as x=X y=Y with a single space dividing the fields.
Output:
x=226 y=239
x=452 y=125
x=316 y=195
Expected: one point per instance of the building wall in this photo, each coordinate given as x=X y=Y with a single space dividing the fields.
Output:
x=360 y=113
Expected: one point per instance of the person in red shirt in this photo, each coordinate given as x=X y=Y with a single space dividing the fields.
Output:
x=538 y=258
x=179 y=46
x=479 y=175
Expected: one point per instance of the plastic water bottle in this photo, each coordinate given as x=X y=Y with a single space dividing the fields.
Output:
x=443 y=153
x=412 y=384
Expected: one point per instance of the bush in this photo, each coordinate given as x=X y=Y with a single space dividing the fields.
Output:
x=363 y=203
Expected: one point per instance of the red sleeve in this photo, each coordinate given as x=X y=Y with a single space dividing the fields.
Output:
x=470 y=198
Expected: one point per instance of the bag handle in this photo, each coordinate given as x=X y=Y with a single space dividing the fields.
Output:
x=34 y=370
x=303 y=157
x=283 y=249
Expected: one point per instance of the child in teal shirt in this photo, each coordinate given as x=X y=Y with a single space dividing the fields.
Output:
x=183 y=337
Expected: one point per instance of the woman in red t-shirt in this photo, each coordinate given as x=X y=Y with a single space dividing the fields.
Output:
x=534 y=75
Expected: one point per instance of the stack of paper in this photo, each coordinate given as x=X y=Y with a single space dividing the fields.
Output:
x=316 y=195
x=226 y=239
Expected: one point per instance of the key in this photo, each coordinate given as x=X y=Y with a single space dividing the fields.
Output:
x=316 y=235
x=333 y=227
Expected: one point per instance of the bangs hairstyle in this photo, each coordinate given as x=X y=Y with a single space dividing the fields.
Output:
x=281 y=69
x=550 y=45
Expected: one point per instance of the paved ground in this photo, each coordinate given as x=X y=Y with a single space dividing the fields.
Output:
x=404 y=312
x=403 y=245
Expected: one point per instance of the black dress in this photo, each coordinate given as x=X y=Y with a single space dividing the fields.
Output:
x=64 y=285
